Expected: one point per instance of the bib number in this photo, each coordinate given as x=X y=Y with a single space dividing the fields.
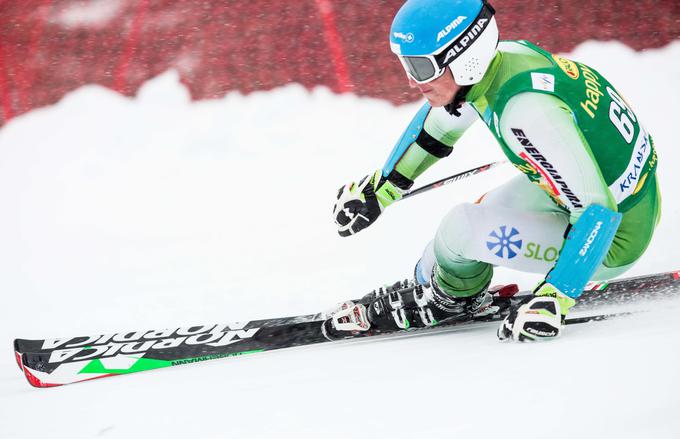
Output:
x=621 y=116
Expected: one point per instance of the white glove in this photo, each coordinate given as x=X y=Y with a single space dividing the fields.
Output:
x=539 y=317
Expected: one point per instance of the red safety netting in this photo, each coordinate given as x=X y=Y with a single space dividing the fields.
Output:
x=50 y=47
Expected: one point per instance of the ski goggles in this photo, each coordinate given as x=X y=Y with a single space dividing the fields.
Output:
x=426 y=68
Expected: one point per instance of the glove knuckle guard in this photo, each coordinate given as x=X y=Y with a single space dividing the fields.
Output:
x=342 y=219
x=537 y=318
x=356 y=207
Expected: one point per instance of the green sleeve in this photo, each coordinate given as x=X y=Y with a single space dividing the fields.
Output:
x=434 y=141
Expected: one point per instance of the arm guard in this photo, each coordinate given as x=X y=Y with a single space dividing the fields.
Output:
x=429 y=137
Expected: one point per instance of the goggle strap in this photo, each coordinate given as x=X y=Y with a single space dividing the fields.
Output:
x=465 y=40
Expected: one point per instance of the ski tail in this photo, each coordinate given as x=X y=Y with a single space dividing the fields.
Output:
x=43 y=371
x=17 y=354
x=33 y=380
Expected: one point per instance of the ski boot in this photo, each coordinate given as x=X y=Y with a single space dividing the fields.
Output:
x=349 y=319
x=425 y=305
x=404 y=306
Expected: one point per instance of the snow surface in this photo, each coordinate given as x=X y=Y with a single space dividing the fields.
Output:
x=122 y=214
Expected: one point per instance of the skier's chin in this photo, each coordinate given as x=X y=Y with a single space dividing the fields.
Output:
x=438 y=100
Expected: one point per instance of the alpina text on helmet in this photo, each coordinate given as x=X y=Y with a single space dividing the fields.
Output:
x=461 y=44
x=451 y=26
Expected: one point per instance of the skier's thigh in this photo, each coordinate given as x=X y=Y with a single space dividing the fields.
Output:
x=516 y=238
x=520 y=194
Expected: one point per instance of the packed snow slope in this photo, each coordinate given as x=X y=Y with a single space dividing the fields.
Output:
x=120 y=214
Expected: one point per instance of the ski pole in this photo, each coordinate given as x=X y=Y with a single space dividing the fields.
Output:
x=452 y=178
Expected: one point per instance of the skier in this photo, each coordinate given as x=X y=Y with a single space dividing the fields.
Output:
x=560 y=122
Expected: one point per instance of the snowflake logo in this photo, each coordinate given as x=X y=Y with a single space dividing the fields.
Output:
x=504 y=244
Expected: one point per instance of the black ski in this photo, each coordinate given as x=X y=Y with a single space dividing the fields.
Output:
x=54 y=362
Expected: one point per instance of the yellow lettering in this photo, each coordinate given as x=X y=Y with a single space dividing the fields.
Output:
x=591 y=76
x=594 y=96
x=592 y=85
x=593 y=92
x=641 y=183
x=652 y=161
x=585 y=104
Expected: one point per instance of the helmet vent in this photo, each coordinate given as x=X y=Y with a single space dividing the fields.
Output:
x=472 y=66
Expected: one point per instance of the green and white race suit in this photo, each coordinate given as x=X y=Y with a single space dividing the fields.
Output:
x=577 y=142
